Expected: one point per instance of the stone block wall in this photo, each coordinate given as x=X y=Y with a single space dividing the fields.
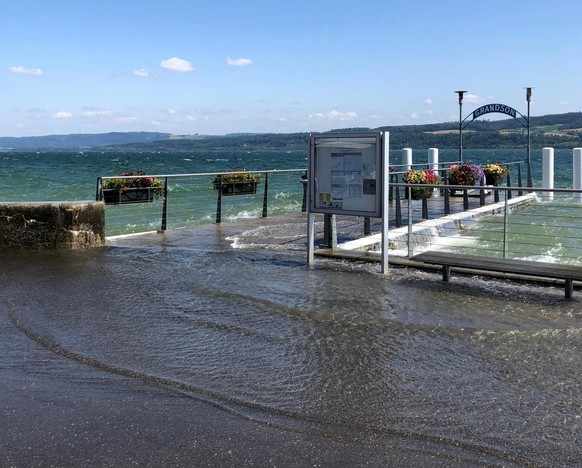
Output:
x=51 y=226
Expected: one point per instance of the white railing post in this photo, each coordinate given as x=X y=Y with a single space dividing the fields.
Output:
x=577 y=176
x=433 y=159
x=548 y=173
x=407 y=158
x=433 y=162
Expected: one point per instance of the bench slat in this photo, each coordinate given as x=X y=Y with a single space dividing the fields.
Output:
x=504 y=265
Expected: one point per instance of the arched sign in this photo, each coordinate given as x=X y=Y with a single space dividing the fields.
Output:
x=499 y=109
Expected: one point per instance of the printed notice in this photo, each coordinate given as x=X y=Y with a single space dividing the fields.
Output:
x=346 y=176
x=345 y=172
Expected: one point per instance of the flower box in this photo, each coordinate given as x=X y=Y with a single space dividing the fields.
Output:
x=128 y=195
x=236 y=183
x=426 y=176
x=494 y=172
x=238 y=188
x=136 y=189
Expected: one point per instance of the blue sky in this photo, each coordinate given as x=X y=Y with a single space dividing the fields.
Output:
x=191 y=66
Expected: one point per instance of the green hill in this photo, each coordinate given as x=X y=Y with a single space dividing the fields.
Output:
x=556 y=130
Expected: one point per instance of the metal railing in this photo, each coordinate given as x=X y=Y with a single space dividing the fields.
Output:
x=541 y=225
x=192 y=199
x=444 y=168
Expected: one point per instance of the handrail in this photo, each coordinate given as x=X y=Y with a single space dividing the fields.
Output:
x=99 y=192
x=200 y=174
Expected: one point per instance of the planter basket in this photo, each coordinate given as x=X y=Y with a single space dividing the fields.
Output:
x=238 y=188
x=129 y=195
x=491 y=179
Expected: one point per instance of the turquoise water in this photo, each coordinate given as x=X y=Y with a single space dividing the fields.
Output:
x=72 y=176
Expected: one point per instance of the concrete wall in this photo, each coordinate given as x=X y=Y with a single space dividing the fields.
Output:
x=51 y=225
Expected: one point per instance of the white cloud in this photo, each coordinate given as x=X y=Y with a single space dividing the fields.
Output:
x=239 y=62
x=191 y=118
x=176 y=64
x=564 y=103
x=141 y=72
x=414 y=115
x=26 y=71
x=126 y=119
x=428 y=101
x=98 y=113
x=62 y=115
x=333 y=115
x=171 y=111
x=472 y=98
x=337 y=115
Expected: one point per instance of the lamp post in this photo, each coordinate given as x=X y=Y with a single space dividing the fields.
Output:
x=528 y=99
x=460 y=93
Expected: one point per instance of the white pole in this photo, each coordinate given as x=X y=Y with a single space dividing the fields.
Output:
x=548 y=173
x=433 y=161
x=407 y=158
x=385 y=188
x=577 y=165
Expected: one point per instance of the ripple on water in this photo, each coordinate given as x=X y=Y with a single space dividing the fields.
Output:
x=476 y=363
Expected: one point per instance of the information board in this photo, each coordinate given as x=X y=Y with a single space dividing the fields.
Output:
x=346 y=174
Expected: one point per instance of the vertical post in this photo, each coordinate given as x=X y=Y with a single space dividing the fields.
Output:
x=433 y=159
x=482 y=192
x=367 y=226
x=447 y=200
x=310 y=236
x=385 y=157
x=433 y=163
x=460 y=93
x=528 y=99
x=577 y=176
x=219 y=201
x=165 y=206
x=265 y=195
x=304 y=200
x=506 y=228
x=398 y=210
x=548 y=173
x=330 y=230
x=310 y=214
x=407 y=158
x=410 y=250
x=519 y=181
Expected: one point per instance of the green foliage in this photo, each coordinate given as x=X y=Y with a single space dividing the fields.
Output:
x=238 y=177
x=125 y=183
x=426 y=176
x=465 y=174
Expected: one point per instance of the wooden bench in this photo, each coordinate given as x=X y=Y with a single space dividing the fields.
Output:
x=568 y=273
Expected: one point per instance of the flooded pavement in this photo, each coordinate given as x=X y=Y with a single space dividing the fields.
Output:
x=219 y=346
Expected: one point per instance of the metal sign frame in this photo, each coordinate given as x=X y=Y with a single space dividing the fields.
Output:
x=348 y=175
x=345 y=173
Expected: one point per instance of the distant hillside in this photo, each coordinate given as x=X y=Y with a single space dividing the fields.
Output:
x=557 y=130
x=80 y=140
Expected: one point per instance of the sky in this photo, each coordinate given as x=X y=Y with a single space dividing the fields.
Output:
x=217 y=67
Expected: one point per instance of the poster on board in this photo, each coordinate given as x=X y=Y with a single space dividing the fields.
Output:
x=346 y=174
